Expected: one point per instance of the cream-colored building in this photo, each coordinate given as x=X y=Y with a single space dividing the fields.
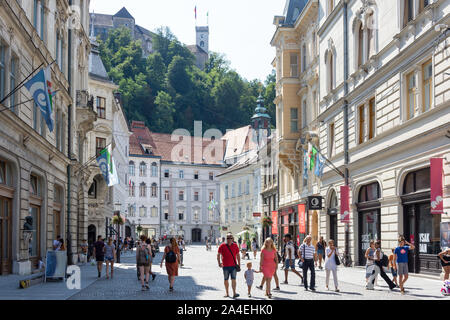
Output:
x=39 y=170
x=297 y=67
x=398 y=116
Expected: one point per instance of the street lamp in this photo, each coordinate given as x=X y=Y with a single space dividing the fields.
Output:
x=117 y=207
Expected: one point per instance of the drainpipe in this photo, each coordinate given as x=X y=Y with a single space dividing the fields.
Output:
x=347 y=257
x=69 y=147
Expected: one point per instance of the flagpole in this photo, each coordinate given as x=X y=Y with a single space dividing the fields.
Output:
x=16 y=105
x=91 y=159
x=23 y=81
x=326 y=159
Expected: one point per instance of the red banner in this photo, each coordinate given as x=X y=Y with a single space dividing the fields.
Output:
x=286 y=224
x=274 y=222
x=437 y=186
x=302 y=218
x=256 y=214
x=345 y=204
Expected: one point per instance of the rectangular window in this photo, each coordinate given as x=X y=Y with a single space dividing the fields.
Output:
x=142 y=212
x=101 y=107
x=211 y=176
x=196 y=215
x=294 y=120
x=2 y=70
x=181 y=174
x=372 y=113
x=166 y=173
x=411 y=95
x=154 y=212
x=211 y=196
x=331 y=140
x=427 y=74
x=180 y=215
x=13 y=82
x=304 y=114
x=166 y=216
x=362 y=123
x=42 y=34
x=294 y=65
x=196 y=197
x=166 y=195
x=196 y=175
x=423 y=4
x=226 y=192
x=181 y=196
x=304 y=58
x=100 y=145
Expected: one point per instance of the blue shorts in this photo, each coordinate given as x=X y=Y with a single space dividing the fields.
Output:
x=289 y=263
x=229 y=271
x=109 y=259
x=394 y=272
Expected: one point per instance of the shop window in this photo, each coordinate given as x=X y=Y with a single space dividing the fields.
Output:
x=417 y=181
x=369 y=192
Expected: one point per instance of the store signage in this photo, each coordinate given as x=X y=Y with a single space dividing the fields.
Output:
x=302 y=218
x=437 y=177
x=315 y=203
x=345 y=204
x=256 y=214
x=274 y=222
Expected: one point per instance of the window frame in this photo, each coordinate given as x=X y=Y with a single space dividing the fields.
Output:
x=101 y=107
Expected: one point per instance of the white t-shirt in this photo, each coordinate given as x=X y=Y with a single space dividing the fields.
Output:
x=57 y=245
x=290 y=250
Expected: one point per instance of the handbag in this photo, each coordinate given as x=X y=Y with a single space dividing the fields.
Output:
x=300 y=263
x=336 y=258
x=238 y=267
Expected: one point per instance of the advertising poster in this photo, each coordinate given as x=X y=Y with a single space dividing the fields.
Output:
x=302 y=218
x=445 y=235
x=274 y=222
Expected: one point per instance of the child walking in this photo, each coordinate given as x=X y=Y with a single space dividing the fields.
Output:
x=249 y=276
x=393 y=268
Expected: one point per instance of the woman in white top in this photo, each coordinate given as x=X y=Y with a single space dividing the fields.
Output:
x=330 y=264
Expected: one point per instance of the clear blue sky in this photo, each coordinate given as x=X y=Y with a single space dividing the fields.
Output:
x=240 y=29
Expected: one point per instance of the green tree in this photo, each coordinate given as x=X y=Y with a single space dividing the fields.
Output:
x=178 y=76
x=162 y=119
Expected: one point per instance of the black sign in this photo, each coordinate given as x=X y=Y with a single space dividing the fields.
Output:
x=315 y=203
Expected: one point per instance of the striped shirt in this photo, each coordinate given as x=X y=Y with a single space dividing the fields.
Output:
x=307 y=252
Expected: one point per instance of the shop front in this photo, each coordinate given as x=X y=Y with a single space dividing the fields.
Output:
x=421 y=228
x=292 y=220
x=332 y=211
x=369 y=218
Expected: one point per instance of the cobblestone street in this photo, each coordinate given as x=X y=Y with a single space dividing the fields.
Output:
x=201 y=279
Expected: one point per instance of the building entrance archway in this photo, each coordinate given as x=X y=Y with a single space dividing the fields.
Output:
x=196 y=235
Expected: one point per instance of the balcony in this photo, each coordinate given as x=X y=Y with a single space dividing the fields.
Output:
x=86 y=116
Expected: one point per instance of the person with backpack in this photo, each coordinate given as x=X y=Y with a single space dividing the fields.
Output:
x=381 y=260
x=290 y=254
x=172 y=259
x=143 y=262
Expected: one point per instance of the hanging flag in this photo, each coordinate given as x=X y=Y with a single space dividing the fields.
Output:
x=212 y=204
x=302 y=218
x=345 y=204
x=40 y=87
x=274 y=222
x=313 y=158
x=195 y=11
x=320 y=166
x=305 y=165
x=437 y=185
x=108 y=167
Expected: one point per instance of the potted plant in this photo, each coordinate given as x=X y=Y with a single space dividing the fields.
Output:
x=139 y=229
x=117 y=220
x=267 y=222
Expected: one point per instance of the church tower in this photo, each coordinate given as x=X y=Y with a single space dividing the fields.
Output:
x=261 y=121
x=203 y=38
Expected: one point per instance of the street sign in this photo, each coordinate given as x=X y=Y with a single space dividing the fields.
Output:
x=315 y=203
x=256 y=214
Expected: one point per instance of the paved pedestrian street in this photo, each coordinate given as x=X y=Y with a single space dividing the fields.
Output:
x=201 y=279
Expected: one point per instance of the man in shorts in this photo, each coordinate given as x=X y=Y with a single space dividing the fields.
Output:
x=99 y=254
x=289 y=258
x=226 y=258
x=401 y=260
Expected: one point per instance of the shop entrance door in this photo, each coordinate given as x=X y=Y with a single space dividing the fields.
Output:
x=196 y=235
x=422 y=229
x=5 y=236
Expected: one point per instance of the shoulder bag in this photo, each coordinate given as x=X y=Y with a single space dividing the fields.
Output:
x=336 y=257
x=238 y=267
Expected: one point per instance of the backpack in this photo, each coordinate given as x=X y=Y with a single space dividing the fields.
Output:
x=171 y=257
x=143 y=256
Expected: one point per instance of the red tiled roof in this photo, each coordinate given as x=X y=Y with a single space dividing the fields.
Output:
x=184 y=149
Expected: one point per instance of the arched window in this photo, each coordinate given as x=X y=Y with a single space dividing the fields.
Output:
x=154 y=190
x=142 y=190
x=131 y=168
x=143 y=169
x=154 y=169
x=131 y=190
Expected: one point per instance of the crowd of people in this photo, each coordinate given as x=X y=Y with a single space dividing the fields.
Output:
x=308 y=257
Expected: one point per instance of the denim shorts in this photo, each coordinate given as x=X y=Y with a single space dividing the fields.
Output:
x=229 y=271
x=394 y=272
x=109 y=259
x=289 y=263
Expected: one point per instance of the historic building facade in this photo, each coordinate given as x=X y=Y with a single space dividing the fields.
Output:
x=42 y=192
x=297 y=67
x=392 y=78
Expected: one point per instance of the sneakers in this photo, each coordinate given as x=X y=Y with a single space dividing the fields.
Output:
x=276 y=289
x=259 y=287
x=99 y=274
x=153 y=276
x=249 y=295
x=236 y=296
x=285 y=282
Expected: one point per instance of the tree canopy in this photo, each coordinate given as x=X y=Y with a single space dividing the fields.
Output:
x=167 y=91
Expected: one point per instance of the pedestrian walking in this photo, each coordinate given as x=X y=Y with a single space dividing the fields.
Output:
x=172 y=259
x=131 y=244
x=268 y=263
x=143 y=261
x=110 y=256
x=182 y=249
x=254 y=247
x=289 y=258
x=331 y=256
x=393 y=268
x=249 y=276
x=308 y=256
x=99 y=254
x=152 y=253
x=83 y=252
x=229 y=260
x=125 y=245
x=401 y=260
x=320 y=247
x=378 y=269
x=370 y=262
x=444 y=256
